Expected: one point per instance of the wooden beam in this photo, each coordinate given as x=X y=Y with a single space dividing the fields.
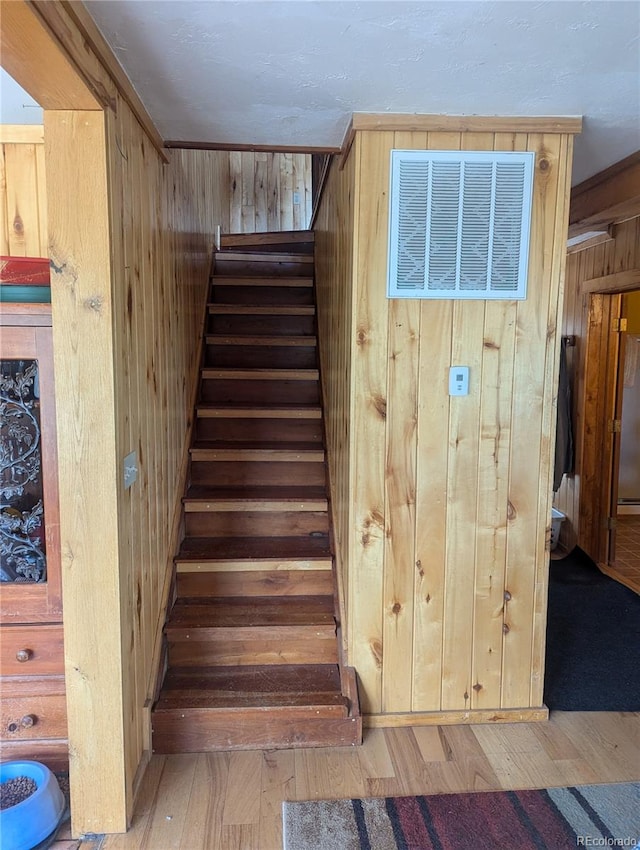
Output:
x=27 y=48
x=76 y=33
x=415 y=122
x=617 y=282
x=81 y=294
x=21 y=134
x=587 y=239
x=611 y=195
x=109 y=61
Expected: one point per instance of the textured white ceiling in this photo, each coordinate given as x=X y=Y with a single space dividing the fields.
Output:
x=292 y=72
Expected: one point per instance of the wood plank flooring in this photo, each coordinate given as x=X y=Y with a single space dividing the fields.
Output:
x=232 y=801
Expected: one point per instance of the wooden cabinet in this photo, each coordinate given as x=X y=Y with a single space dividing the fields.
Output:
x=33 y=709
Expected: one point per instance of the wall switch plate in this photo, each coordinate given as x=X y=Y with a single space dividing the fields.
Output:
x=296 y=197
x=459 y=380
x=130 y=469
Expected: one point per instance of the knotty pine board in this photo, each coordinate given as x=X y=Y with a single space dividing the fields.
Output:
x=127 y=354
x=164 y=220
x=262 y=187
x=447 y=555
x=23 y=198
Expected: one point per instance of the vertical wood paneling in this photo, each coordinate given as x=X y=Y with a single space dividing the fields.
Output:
x=269 y=191
x=447 y=564
x=164 y=219
x=525 y=535
x=436 y=330
x=235 y=193
x=400 y=491
x=462 y=507
x=549 y=416
x=4 y=216
x=431 y=502
x=23 y=198
x=160 y=235
x=493 y=487
x=370 y=372
x=400 y=499
x=334 y=242
x=620 y=255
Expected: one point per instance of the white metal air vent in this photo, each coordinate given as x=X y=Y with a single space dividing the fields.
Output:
x=459 y=224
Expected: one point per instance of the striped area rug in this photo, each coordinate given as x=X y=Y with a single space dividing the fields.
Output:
x=549 y=819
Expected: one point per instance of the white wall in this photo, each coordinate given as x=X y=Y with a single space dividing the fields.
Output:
x=16 y=106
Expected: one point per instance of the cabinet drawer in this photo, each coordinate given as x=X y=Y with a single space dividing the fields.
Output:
x=31 y=651
x=33 y=717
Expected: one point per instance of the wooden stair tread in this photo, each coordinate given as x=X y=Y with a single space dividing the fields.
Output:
x=254 y=549
x=255 y=339
x=263 y=257
x=245 y=583
x=237 y=612
x=262 y=310
x=248 y=280
x=253 y=686
x=230 y=373
x=255 y=411
x=256 y=679
x=251 y=641
x=255 y=240
x=315 y=701
x=213 y=450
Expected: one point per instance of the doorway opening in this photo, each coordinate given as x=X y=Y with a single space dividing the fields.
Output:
x=610 y=503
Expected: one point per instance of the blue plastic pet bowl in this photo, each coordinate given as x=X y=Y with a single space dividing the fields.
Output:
x=26 y=824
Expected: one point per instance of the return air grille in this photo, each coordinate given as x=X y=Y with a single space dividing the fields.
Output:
x=459 y=224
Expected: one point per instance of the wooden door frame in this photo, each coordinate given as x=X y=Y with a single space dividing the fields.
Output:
x=603 y=302
x=79 y=250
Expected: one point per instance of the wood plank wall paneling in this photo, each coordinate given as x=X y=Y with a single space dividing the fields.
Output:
x=620 y=255
x=334 y=245
x=447 y=556
x=269 y=191
x=163 y=220
x=149 y=293
x=23 y=207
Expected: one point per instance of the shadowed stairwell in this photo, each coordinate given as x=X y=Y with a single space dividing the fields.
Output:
x=252 y=652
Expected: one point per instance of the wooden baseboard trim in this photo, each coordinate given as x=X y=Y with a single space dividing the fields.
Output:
x=453 y=718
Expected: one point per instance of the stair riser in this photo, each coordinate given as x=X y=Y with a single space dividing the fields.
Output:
x=255 y=524
x=261 y=268
x=261 y=296
x=260 y=430
x=206 y=731
x=261 y=356
x=259 y=391
x=231 y=325
x=259 y=583
x=236 y=473
x=248 y=652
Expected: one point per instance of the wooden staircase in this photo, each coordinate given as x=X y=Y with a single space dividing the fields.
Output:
x=252 y=652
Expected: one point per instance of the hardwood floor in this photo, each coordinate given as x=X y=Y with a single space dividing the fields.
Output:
x=232 y=800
